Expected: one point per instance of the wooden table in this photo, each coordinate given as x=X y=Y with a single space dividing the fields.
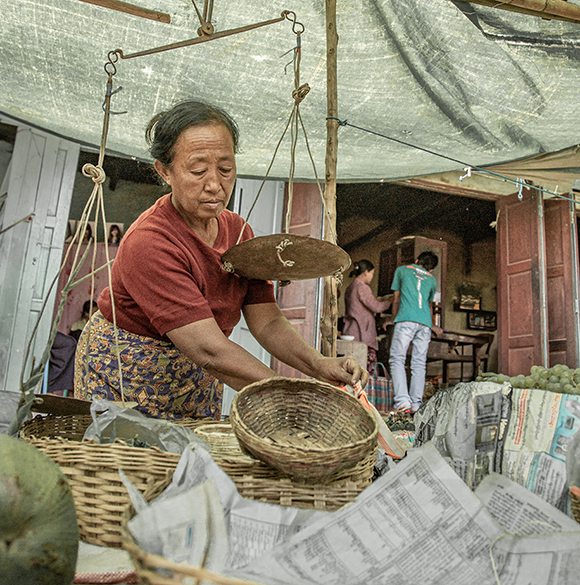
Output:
x=454 y=347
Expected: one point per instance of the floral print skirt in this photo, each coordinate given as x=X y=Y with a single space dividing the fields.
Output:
x=155 y=374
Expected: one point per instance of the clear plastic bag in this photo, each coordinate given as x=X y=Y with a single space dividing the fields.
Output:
x=111 y=422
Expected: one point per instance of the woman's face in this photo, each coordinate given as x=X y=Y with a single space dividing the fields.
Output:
x=368 y=275
x=203 y=172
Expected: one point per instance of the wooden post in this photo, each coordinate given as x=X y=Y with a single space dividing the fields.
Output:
x=328 y=326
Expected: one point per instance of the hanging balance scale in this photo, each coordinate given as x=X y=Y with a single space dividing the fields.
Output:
x=287 y=257
x=282 y=257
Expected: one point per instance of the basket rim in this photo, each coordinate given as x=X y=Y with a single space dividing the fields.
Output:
x=236 y=419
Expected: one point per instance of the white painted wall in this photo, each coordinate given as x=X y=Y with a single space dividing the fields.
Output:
x=266 y=219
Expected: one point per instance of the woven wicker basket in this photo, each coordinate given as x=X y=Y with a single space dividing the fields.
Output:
x=99 y=494
x=73 y=426
x=100 y=497
x=257 y=480
x=53 y=426
x=305 y=429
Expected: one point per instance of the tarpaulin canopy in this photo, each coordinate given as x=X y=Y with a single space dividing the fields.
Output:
x=477 y=85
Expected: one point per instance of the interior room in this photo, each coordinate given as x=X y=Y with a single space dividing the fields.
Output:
x=373 y=218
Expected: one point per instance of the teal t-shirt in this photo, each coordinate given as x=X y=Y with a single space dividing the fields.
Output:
x=417 y=287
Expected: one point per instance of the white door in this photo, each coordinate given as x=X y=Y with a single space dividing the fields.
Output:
x=266 y=219
x=40 y=184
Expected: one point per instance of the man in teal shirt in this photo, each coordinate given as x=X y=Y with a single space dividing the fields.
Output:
x=414 y=288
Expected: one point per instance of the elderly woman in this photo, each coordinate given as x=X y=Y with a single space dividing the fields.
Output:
x=174 y=304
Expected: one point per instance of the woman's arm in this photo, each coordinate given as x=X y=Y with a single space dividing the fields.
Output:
x=368 y=299
x=277 y=335
x=205 y=344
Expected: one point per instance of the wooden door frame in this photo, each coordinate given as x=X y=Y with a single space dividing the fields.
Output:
x=531 y=288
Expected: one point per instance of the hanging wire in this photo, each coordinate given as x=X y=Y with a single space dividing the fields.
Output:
x=295 y=122
x=469 y=168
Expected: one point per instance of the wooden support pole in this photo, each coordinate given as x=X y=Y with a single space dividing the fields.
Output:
x=328 y=326
x=545 y=9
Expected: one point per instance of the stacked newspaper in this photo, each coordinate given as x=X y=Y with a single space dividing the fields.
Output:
x=419 y=524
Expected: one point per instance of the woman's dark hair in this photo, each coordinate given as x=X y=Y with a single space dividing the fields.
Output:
x=360 y=267
x=428 y=260
x=166 y=127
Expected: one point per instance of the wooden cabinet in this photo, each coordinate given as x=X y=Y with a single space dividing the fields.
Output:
x=405 y=251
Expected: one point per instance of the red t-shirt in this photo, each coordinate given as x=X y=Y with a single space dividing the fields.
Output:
x=164 y=276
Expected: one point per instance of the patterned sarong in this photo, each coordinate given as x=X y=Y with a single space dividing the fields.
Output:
x=156 y=375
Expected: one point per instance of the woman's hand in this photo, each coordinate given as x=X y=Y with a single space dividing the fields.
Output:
x=340 y=371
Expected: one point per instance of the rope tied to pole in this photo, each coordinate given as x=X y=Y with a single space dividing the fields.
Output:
x=96 y=173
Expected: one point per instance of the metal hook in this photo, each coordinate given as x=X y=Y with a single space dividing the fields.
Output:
x=520 y=193
x=291 y=16
x=467 y=174
x=113 y=56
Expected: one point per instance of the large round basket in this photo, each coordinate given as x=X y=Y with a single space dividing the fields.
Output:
x=99 y=494
x=92 y=470
x=306 y=429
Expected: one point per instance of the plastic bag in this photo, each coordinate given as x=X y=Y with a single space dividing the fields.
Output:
x=138 y=430
x=379 y=389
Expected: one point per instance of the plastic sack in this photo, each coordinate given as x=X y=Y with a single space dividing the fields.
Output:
x=138 y=430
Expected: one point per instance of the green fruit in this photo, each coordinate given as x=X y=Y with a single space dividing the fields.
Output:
x=39 y=534
x=568 y=389
x=553 y=379
x=551 y=387
x=529 y=382
x=542 y=383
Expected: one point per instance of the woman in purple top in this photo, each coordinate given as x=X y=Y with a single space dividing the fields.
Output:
x=361 y=307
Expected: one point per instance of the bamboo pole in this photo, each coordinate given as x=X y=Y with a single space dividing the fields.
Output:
x=546 y=9
x=328 y=326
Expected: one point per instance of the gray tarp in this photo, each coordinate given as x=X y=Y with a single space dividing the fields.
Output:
x=479 y=85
